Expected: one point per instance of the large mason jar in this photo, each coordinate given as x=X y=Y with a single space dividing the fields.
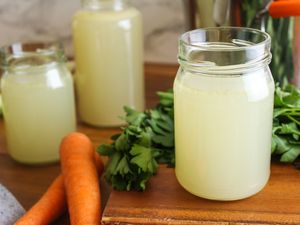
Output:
x=108 y=44
x=223 y=112
x=38 y=101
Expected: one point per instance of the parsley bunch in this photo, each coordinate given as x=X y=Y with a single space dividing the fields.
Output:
x=146 y=140
x=286 y=124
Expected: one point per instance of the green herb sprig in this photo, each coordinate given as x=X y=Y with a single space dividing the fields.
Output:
x=148 y=139
x=286 y=123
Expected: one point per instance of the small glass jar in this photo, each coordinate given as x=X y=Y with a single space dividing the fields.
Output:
x=223 y=102
x=38 y=101
x=108 y=44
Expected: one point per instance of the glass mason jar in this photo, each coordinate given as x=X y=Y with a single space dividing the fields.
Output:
x=223 y=102
x=108 y=44
x=38 y=101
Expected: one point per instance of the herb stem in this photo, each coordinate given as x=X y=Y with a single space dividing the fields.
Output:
x=294 y=120
x=291 y=114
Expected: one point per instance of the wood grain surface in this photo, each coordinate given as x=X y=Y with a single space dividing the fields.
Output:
x=166 y=202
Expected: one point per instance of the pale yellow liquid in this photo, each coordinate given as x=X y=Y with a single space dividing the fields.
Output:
x=109 y=64
x=223 y=134
x=38 y=111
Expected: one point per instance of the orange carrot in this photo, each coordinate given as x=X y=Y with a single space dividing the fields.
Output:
x=284 y=8
x=53 y=203
x=80 y=179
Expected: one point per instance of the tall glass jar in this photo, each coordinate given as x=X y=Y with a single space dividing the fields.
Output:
x=223 y=99
x=38 y=101
x=108 y=43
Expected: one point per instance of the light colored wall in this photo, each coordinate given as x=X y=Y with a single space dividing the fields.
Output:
x=45 y=20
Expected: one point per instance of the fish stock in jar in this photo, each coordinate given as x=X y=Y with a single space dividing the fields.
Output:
x=223 y=102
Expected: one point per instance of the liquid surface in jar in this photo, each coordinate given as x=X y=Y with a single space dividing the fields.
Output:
x=223 y=128
x=109 y=62
x=39 y=111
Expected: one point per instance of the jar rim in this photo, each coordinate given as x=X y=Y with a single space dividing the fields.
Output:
x=267 y=39
x=10 y=54
x=31 y=46
x=224 y=50
x=96 y=5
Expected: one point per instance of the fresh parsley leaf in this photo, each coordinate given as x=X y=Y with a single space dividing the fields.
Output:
x=286 y=123
x=122 y=143
x=145 y=139
x=110 y=170
x=107 y=150
x=291 y=155
x=123 y=167
x=144 y=158
x=134 y=117
x=166 y=98
x=289 y=128
x=166 y=140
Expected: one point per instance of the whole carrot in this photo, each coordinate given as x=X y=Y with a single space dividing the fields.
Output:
x=80 y=179
x=53 y=203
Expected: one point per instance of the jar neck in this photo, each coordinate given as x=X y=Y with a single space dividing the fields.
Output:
x=114 y=5
x=224 y=50
x=19 y=58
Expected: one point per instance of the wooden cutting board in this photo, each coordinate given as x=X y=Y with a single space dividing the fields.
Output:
x=166 y=202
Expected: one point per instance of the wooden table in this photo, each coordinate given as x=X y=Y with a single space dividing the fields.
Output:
x=165 y=201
